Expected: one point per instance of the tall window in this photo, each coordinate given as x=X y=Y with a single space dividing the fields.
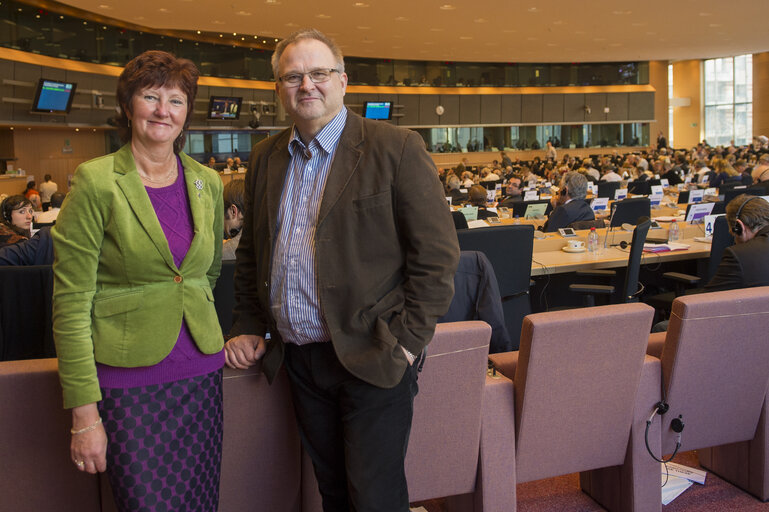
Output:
x=670 y=107
x=729 y=100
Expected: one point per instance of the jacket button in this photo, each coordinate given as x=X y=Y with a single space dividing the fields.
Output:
x=177 y=279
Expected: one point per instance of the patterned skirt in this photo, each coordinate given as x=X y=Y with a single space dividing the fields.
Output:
x=164 y=446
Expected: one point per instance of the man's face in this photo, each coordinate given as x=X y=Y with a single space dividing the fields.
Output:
x=514 y=187
x=310 y=105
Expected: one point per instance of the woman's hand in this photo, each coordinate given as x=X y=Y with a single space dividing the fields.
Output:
x=89 y=449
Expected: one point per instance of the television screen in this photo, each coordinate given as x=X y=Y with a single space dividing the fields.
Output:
x=225 y=108
x=53 y=97
x=378 y=109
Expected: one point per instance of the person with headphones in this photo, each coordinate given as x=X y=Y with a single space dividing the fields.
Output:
x=16 y=223
x=569 y=205
x=744 y=264
x=234 y=198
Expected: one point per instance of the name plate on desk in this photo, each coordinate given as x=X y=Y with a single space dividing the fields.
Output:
x=656 y=189
x=664 y=182
x=531 y=195
x=655 y=199
x=620 y=194
x=695 y=196
x=599 y=204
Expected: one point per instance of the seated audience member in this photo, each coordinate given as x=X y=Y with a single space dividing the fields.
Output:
x=37 y=250
x=452 y=189
x=569 y=204
x=587 y=163
x=513 y=192
x=16 y=222
x=467 y=178
x=670 y=174
x=234 y=200
x=47 y=189
x=212 y=163
x=49 y=216
x=725 y=174
x=476 y=196
x=609 y=174
x=761 y=171
x=238 y=163
x=741 y=166
x=33 y=195
x=230 y=165
x=744 y=264
x=489 y=175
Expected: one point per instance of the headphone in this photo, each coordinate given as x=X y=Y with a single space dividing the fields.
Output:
x=737 y=228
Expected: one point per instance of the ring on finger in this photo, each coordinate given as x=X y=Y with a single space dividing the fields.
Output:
x=80 y=463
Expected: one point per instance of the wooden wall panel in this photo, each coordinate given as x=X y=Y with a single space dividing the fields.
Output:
x=574 y=108
x=531 y=108
x=491 y=109
x=618 y=106
x=596 y=102
x=641 y=107
x=552 y=108
x=511 y=108
x=427 y=115
x=450 y=104
x=410 y=109
x=470 y=109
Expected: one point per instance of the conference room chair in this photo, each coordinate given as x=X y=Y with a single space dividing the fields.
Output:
x=730 y=193
x=476 y=297
x=642 y=188
x=629 y=210
x=224 y=295
x=587 y=224
x=722 y=238
x=26 y=298
x=509 y=249
x=715 y=372
x=630 y=290
x=455 y=444
x=576 y=383
x=608 y=188
x=460 y=221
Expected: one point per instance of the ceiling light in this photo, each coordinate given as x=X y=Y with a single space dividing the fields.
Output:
x=363 y=28
x=164 y=10
x=532 y=9
x=465 y=38
x=243 y=13
x=360 y=4
x=105 y=6
x=447 y=7
x=401 y=18
x=481 y=20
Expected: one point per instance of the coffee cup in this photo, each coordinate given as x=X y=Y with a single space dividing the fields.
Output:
x=576 y=244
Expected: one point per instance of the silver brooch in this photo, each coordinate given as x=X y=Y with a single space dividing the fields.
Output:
x=199 y=184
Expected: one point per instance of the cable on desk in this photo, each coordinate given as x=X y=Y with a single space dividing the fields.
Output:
x=542 y=293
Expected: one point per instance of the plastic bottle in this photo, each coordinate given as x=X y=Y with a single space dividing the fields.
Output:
x=592 y=241
x=673 y=232
x=517 y=219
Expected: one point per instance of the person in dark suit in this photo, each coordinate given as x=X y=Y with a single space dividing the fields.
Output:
x=744 y=264
x=347 y=260
x=453 y=184
x=477 y=197
x=569 y=204
x=513 y=192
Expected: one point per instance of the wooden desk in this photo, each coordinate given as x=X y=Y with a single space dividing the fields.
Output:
x=556 y=261
x=12 y=184
x=228 y=177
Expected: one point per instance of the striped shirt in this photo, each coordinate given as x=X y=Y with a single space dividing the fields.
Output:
x=294 y=300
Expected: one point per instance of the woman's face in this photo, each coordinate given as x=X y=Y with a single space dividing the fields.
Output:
x=158 y=115
x=22 y=217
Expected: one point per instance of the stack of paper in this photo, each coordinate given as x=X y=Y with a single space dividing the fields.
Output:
x=676 y=478
x=670 y=246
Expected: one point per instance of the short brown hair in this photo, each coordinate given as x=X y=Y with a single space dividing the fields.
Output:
x=754 y=211
x=155 y=68
x=308 y=33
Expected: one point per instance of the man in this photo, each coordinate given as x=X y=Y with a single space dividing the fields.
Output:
x=569 y=204
x=609 y=174
x=743 y=265
x=55 y=202
x=47 y=189
x=347 y=259
x=513 y=192
x=551 y=153
x=453 y=184
x=761 y=171
x=234 y=194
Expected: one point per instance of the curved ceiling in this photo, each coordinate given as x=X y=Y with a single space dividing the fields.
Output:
x=472 y=30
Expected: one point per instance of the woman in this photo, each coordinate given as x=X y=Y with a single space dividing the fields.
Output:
x=33 y=195
x=476 y=196
x=137 y=336
x=725 y=174
x=16 y=224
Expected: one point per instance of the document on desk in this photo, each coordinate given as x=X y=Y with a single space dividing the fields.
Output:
x=670 y=246
x=673 y=487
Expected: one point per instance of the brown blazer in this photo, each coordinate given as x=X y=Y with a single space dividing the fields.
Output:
x=386 y=248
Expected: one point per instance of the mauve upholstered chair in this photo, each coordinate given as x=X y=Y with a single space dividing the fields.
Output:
x=449 y=431
x=715 y=372
x=578 y=378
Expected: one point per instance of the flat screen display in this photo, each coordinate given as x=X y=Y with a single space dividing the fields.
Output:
x=226 y=108
x=378 y=109
x=53 y=97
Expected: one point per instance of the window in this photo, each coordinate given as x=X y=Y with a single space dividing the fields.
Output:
x=729 y=100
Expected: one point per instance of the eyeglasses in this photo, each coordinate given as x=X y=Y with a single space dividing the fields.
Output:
x=318 y=76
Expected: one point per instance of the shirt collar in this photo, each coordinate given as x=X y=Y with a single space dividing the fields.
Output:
x=327 y=138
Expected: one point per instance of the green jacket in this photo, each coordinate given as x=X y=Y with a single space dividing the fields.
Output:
x=119 y=299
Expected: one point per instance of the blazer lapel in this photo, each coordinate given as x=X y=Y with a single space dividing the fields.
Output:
x=195 y=195
x=346 y=159
x=130 y=184
x=277 y=168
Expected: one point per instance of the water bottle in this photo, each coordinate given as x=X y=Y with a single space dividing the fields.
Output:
x=592 y=241
x=517 y=219
x=673 y=232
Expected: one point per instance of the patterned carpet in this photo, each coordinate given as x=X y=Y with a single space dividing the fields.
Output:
x=562 y=494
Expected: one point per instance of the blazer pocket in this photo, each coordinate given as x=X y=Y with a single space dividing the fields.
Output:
x=376 y=201
x=122 y=302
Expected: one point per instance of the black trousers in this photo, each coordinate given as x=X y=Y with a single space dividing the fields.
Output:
x=355 y=433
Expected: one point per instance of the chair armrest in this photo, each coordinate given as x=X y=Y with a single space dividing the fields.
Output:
x=505 y=363
x=595 y=273
x=656 y=344
x=598 y=289
x=682 y=278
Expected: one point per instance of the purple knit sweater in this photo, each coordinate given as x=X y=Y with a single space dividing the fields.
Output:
x=172 y=208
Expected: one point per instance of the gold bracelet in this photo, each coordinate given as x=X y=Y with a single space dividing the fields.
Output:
x=86 y=429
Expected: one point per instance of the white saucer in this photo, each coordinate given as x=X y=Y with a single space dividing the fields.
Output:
x=566 y=248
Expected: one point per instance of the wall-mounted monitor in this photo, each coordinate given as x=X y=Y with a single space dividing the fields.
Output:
x=53 y=97
x=378 y=109
x=224 y=108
